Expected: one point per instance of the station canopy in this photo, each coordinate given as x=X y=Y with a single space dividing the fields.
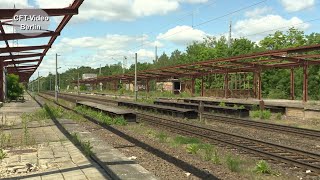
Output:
x=24 y=60
x=256 y=62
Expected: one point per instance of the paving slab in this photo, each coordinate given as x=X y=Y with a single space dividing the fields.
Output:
x=46 y=153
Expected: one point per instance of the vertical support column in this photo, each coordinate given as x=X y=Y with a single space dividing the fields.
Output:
x=255 y=85
x=305 y=82
x=193 y=84
x=226 y=85
x=292 y=84
x=259 y=85
x=147 y=86
x=1 y=81
x=202 y=86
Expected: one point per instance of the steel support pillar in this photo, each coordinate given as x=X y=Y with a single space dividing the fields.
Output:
x=292 y=84
x=259 y=85
x=1 y=82
x=202 y=86
x=305 y=82
x=147 y=86
x=193 y=84
x=255 y=85
x=226 y=85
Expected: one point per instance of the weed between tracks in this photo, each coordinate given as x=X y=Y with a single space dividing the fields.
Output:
x=209 y=153
x=102 y=117
x=85 y=145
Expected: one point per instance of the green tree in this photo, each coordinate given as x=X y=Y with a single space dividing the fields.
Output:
x=15 y=89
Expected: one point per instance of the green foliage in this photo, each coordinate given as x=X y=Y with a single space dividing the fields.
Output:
x=216 y=158
x=262 y=167
x=5 y=140
x=15 y=89
x=222 y=104
x=162 y=137
x=2 y=154
x=86 y=146
x=208 y=151
x=233 y=163
x=278 y=116
x=193 y=148
x=185 y=140
x=265 y=114
x=101 y=116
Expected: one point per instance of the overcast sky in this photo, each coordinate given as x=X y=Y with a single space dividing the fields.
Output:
x=107 y=30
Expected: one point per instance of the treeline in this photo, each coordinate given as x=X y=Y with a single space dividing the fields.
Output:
x=276 y=83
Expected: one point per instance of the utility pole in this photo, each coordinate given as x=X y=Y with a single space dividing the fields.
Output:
x=38 y=82
x=78 y=83
x=50 y=83
x=124 y=64
x=135 y=78
x=230 y=31
x=156 y=54
x=100 y=70
x=56 y=80
x=32 y=85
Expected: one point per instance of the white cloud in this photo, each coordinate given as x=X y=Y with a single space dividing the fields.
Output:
x=182 y=35
x=297 y=5
x=257 y=28
x=258 y=12
x=125 y=10
x=10 y=4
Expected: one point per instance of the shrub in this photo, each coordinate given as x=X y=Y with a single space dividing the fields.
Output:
x=233 y=163
x=265 y=114
x=262 y=167
x=15 y=89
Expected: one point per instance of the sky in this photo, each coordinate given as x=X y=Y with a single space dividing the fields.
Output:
x=106 y=31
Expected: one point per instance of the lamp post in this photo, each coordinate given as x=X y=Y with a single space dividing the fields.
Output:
x=56 y=80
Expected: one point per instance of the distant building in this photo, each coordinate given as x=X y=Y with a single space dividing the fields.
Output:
x=88 y=76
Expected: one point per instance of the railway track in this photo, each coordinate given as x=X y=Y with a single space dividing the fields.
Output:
x=309 y=133
x=277 y=153
x=314 y=134
x=283 y=155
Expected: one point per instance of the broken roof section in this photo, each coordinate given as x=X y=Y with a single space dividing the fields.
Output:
x=284 y=58
x=25 y=60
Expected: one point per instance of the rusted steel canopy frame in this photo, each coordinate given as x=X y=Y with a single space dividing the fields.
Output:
x=6 y=63
x=267 y=54
x=292 y=83
x=16 y=36
x=9 y=13
x=7 y=43
x=75 y=5
x=19 y=49
x=305 y=82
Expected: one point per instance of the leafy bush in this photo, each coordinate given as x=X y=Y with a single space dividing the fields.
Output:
x=233 y=163
x=262 y=167
x=277 y=94
x=15 y=89
x=265 y=114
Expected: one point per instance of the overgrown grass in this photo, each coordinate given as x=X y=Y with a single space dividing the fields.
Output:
x=2 y=154
x=233 y=163
x=5 y=140
x=86 y=146
x=262 y=167
x=193 y=148
x=102 y=117
x=162 y=137
x=222 y=104
x=265 y=114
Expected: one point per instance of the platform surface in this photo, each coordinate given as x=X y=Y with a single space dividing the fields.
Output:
x=40 y=150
